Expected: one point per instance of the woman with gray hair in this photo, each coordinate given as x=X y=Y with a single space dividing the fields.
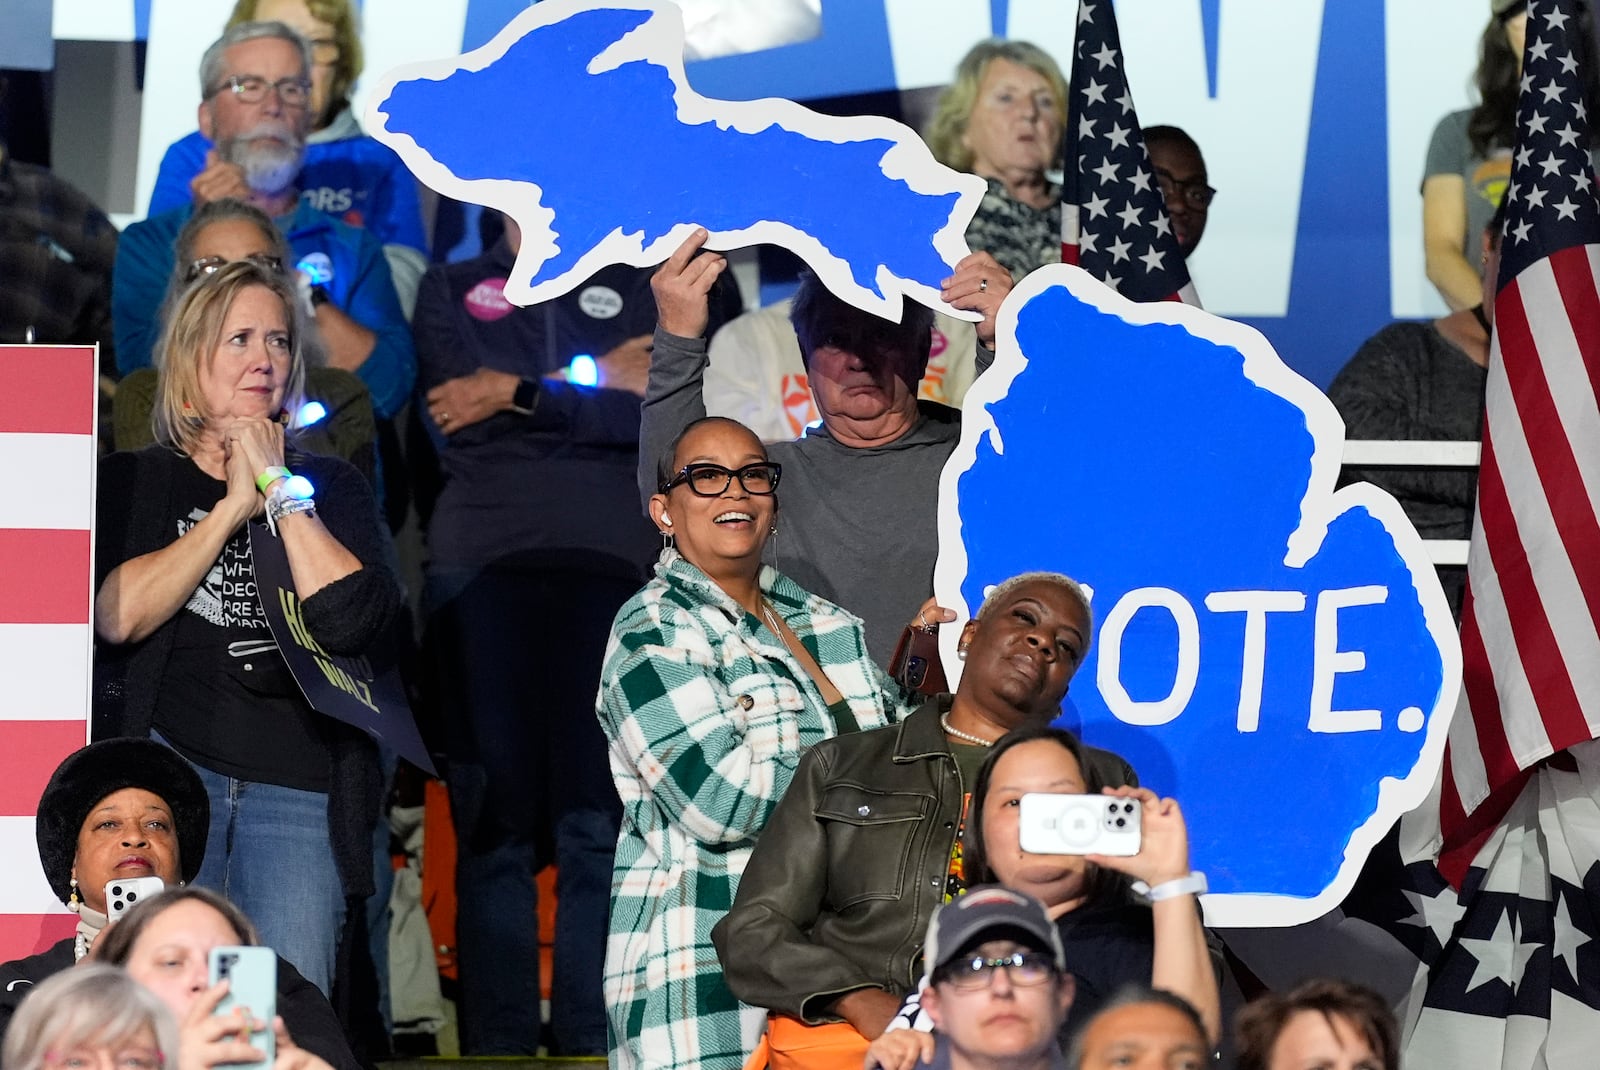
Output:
x=1001 y=119
x=88 y=1016
x=185 y=653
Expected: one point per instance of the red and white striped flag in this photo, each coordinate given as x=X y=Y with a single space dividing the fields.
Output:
x=1529 y=635
x=47 y=470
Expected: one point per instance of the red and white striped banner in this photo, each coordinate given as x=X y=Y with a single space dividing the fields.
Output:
x=47 y=471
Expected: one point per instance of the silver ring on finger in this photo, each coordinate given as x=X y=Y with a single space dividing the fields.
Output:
x=983 y=286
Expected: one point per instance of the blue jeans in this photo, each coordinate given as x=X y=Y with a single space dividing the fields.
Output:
x=520 y=653
x=268 y=851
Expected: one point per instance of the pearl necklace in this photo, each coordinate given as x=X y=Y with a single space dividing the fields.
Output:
x=978 y=741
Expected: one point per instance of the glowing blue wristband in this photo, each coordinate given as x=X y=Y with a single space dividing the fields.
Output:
x=583 y=371
x=298 y=487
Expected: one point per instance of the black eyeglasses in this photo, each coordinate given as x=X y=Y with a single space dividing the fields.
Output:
x=248 y=89
x=1195 y=193
x=710 y=480
x=207 y=265
x=1025 y=968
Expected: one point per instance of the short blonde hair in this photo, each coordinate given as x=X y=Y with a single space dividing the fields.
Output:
x=191 y=335
x=948 y=127
x=1001 y=591
x=90 y=1005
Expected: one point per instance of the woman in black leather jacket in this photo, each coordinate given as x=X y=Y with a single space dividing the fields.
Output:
x=828 y=922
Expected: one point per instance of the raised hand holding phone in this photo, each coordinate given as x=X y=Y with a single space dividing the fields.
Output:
x=252 y=977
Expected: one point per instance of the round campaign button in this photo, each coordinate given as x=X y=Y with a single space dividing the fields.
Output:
x=600 y=302
x=487 y=300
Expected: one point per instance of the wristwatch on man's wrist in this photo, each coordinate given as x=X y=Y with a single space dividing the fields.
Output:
x=526 y=397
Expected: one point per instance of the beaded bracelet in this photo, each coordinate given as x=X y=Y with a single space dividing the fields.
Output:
x=282 y=505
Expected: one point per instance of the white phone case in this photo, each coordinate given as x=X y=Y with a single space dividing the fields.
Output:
x=123 y=895
x=1079 y=825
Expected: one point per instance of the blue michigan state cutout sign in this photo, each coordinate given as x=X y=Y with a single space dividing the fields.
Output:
x=1274 y=653
x=578 y=120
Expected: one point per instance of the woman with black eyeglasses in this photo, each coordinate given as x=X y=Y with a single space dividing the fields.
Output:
x=718 y=675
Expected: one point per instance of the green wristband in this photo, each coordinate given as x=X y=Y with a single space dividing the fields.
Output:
x=271 y=476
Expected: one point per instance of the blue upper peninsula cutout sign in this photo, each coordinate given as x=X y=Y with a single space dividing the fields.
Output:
x=1274 y=653
x=578 y=120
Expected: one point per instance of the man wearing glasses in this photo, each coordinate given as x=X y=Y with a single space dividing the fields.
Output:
x=998 y=986
x=354 y=178
x=255 y=109
x=1181 y=173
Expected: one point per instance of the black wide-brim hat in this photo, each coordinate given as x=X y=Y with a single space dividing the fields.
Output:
x=86 y=776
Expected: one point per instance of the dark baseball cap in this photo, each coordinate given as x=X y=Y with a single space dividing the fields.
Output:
x=990 y=912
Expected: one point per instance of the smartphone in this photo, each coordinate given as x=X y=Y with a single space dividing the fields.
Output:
x=915 y=664
x=252 y=976
x=1079 y=825
x=122 y=896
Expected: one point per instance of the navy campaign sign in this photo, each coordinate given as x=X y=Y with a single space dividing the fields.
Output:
x=365 y=692
x=1274 y=653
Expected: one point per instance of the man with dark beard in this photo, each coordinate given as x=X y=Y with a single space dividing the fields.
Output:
x=255 y=109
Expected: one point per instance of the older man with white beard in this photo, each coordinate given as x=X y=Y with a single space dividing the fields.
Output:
x=255 y=109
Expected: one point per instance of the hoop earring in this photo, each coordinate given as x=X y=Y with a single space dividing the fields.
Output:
x=668 y=540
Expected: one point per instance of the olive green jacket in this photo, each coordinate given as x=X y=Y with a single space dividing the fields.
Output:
x=850 y=867
x=847 y=871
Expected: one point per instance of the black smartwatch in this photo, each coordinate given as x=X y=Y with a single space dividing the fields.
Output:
x=319 y=296
x=526 y=397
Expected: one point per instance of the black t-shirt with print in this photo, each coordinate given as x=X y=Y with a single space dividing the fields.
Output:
x=227 y=699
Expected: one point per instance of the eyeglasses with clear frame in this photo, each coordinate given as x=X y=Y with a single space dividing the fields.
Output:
x=1024 y=968
x=707 y=480
x=208 y=265
x=249 y=89
x=1195 y=193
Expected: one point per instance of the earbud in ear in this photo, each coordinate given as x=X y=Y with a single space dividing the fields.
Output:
x=666 y=518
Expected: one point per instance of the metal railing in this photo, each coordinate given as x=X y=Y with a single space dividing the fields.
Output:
x=1375 y=453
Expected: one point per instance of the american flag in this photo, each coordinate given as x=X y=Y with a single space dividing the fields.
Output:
x=1530 y=646
x=1505 y=971
x=47 y=452
x=1114 y=221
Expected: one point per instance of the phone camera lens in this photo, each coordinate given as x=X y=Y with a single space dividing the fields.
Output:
x=1121 y=821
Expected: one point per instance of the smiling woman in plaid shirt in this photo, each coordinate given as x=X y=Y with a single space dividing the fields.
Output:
x=719 y=674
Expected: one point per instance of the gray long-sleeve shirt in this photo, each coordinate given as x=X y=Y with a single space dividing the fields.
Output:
x=856 y=525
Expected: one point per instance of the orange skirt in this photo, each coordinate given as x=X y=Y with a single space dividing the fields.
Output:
x=790 y=1044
